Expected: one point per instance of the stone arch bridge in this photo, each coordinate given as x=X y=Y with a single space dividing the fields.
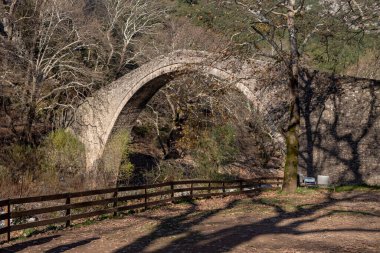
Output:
x=119 y=104
x=340 y=115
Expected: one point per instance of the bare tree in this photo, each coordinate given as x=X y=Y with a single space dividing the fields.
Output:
x=123 y=21
x=298 y=21
x=51 y=60
x=40 y=65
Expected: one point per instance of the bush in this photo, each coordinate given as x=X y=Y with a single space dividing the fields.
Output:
x=215 y=149
x=62 y=153
x=29 y=170
x=19 y=160
x=165 y=171
x=115 y=161
x=141 y=131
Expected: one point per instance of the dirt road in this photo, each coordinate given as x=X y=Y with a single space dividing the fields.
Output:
x=269 y=222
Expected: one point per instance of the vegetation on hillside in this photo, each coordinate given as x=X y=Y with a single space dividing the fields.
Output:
x=54 y=54
x=334 y=49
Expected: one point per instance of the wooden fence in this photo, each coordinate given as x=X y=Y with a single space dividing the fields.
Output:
x=116 y=200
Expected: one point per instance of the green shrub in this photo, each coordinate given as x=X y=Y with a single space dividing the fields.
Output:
x=29 y=232
x=115 y=160
x=57 y=164
x=62 y=153
x=215 y=149
x=126 y=170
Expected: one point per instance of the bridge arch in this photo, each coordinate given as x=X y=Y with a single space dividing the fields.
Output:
x=120 y=103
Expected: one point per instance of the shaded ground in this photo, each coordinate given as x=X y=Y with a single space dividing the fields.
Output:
x=269 y=222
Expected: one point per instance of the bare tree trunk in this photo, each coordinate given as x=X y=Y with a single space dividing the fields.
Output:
x=111 y=47
x=34 y=81
x=176 y=130
x=8 y=21
x=292 y=141
x=122 y=57
x=31 y=116
x=292 y=131
x=29 y=125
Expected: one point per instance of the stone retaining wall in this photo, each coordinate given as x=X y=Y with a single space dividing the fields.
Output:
x=340 y=134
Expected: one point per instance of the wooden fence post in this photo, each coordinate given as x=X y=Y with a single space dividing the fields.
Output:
x=172 y=191
x=191 y=190
x=241 y=185
x=115 y=201
x=209 y=189
x=68 y=211
x=7 y=222
x=224 y=189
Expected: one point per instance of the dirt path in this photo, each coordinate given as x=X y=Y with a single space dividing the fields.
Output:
x=270 y=222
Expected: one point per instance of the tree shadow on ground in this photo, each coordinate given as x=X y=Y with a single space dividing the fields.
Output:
x=69 y=246
x=189 y=239
x=60 y=248
x=174 y=226
x=23 y=245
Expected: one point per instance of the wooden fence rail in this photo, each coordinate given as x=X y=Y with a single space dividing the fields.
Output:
x=122 y=199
